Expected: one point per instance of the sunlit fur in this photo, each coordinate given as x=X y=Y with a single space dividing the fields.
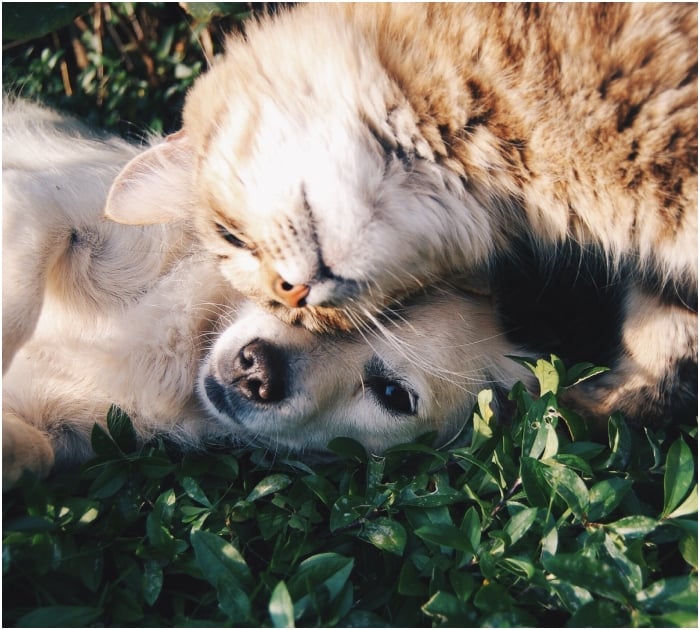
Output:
x=96 y=313
x=364 y=150
x=369 y=150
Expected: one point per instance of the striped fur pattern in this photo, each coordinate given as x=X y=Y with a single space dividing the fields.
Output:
x=342 y=156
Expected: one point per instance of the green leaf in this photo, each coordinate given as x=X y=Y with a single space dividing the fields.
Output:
x=281 y=607
x=61 y=617
x=28 y=20
x=588 y=573
x=546 y=372
x=539 y=435
x=689 y=506
x=520 y=567
x=347 y=511
x=581 y=372
x=206 y=11
x=103 y=444
x=327 y=572
x=606 y=495
x=520 y=524
x=110 y=481
x=534 y=483
x=463 y=584
x=493 y=597
x=629 y=570
x=688 y=546
x=269 y=485
x=600 y=613
x=678 y=476
x=634 y=526
x=666 y=594
x=322 y=488
x=121 y=429
x=483 y=416
x=347 y=448
x=195 y=492
x=219 y=560
x=151 y=581
x=570 y=487
x=446 y=609
x=620 y=441
x=471 y=526
x=384 y=534
x=446 y=536
x=233 y=600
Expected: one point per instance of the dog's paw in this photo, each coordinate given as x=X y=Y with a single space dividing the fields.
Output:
x=24 y=449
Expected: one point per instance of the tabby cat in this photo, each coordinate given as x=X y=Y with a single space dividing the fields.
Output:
x=341 y=156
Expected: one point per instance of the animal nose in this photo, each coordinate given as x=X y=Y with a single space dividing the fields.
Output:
x=292 y=295
x=258 y=372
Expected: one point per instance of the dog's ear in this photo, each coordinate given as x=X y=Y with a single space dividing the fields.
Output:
x=155 y=186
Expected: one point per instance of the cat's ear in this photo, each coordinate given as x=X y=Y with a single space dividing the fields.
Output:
x=155 y=186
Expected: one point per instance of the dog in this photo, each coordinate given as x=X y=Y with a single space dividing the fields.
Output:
x=96 y=313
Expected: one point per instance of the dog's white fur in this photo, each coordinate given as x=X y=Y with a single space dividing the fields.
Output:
x=96 y=313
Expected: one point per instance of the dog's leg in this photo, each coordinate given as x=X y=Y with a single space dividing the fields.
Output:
x=24 y=449
x=32 y=241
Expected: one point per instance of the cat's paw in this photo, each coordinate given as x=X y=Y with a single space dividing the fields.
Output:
x=24 y=449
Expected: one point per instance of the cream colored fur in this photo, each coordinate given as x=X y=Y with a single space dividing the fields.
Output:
x=96 y=313
x=341 y=156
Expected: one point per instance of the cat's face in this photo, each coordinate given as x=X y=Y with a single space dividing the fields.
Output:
x=285 y=388
x=315 y=187
x=307 y=174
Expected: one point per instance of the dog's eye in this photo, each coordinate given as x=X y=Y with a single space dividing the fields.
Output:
x=230 y=238
x=392 y=395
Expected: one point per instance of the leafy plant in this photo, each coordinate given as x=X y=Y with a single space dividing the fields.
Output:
x=122 y=65
x=527 y=523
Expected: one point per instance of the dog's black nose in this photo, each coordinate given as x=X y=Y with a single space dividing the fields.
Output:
x=258 y=372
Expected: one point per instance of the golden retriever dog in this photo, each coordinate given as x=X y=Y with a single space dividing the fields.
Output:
x=96 y=313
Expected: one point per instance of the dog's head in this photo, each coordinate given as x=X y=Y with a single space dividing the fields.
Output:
x=283 y=387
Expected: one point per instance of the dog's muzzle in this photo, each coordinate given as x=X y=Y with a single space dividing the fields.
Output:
x=256 y=374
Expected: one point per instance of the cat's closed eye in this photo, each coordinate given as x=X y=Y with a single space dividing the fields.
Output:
x=230 y=238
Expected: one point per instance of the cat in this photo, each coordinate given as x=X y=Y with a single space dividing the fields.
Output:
x=342 y=156
x=352 y=153
x=96 y=313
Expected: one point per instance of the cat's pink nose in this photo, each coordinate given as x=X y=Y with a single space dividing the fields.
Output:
x=291 y=295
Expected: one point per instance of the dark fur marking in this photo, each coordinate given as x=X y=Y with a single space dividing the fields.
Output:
x=626 y=115
x=560 y=299
x=691 y=76
x=605 y=83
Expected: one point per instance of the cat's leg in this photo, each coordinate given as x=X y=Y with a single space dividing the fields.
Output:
x=654 y=378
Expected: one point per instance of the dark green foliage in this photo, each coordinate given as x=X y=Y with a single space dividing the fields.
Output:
x=122 y=66
x=520 y=525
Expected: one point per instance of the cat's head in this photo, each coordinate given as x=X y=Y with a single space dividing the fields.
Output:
x=306 y=174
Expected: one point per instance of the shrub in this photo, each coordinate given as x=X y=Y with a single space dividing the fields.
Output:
x=526 y=523
x=122 y=66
